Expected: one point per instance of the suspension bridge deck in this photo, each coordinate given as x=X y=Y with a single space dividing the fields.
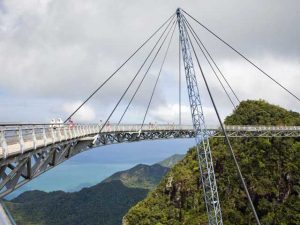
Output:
x=18 y=139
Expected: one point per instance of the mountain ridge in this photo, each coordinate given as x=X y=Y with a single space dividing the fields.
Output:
x=89 y=206
x=140 y=176
x=171 y=161
x=109 y=200
x=145 y=176
x=270 y=166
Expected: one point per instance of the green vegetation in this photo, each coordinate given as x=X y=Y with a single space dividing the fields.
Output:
x=145 y=176
x=171 y=161
x=270 y=166
x=105 y=203
x=101 y=204
x=140 y=176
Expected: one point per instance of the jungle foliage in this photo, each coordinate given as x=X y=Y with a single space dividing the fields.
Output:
x=105 y=203
x=270 y=166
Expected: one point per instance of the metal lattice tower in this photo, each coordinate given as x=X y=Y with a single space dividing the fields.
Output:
x=202 y=142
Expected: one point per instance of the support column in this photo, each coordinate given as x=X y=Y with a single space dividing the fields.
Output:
x=201 y=135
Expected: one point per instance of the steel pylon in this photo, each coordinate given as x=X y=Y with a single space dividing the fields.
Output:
x=207 y=173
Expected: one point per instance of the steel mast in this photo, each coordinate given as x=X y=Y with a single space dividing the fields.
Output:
x=208 y=178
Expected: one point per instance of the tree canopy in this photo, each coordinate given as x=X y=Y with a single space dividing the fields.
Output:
x=270 y=166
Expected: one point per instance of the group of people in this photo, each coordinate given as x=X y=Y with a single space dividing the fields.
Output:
x=56 y=123
x=59 y=123
x=154 y=125
x=106 y=126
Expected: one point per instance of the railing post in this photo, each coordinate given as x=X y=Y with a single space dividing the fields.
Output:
x=72 y=130
x=59 y=133
x=92 y=128
x=3 y=143
x=34 y=138
x=82 y=130
x=76 y=131
x=70 y=133
x=79 y=130
x=21 y=140
x=44 y=136
x=65 y=133
x=52 y=134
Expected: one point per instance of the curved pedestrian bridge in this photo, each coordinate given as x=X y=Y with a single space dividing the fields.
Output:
x=20 y=138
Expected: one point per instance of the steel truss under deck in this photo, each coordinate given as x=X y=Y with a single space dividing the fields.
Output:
x=18 y=169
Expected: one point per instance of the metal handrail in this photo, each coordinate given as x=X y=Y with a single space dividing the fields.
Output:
x=31 y=136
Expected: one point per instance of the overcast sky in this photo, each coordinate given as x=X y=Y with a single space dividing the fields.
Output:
x=54 y=53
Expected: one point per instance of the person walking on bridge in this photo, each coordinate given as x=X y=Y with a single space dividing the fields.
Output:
x=71 y=123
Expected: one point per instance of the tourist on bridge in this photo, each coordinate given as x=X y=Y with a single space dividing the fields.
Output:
x=71 y=123
x=108 y=126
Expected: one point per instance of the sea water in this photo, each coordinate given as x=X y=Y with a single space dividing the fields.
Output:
x=93 y=166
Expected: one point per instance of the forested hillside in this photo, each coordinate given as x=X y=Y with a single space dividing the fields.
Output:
x=145 y=176
x=140 y=176
x=105 y=203
x=171 y=161
x=271 y=167
x=100 y=204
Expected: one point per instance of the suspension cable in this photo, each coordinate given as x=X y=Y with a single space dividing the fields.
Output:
x=145 y=74
x=211 y=58
x=142 y=80
x=191 y=28
x=225 y=134
x=139 y=71
x=211 y=66
x=133 y=54
x=155 y=85
x=243 y=56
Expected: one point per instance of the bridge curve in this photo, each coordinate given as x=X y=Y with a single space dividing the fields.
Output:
x=28 y=150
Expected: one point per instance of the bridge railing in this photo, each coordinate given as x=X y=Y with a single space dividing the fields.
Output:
x=23 y=137
x=139 y=127
x=261 y=128
x=17 y=138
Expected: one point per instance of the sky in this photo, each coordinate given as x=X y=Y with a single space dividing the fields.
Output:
x=54 y=53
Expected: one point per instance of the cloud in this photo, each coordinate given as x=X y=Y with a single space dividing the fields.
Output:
x=170 y=114
x=86 y=114
x=59 y=51
x=250 y=83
